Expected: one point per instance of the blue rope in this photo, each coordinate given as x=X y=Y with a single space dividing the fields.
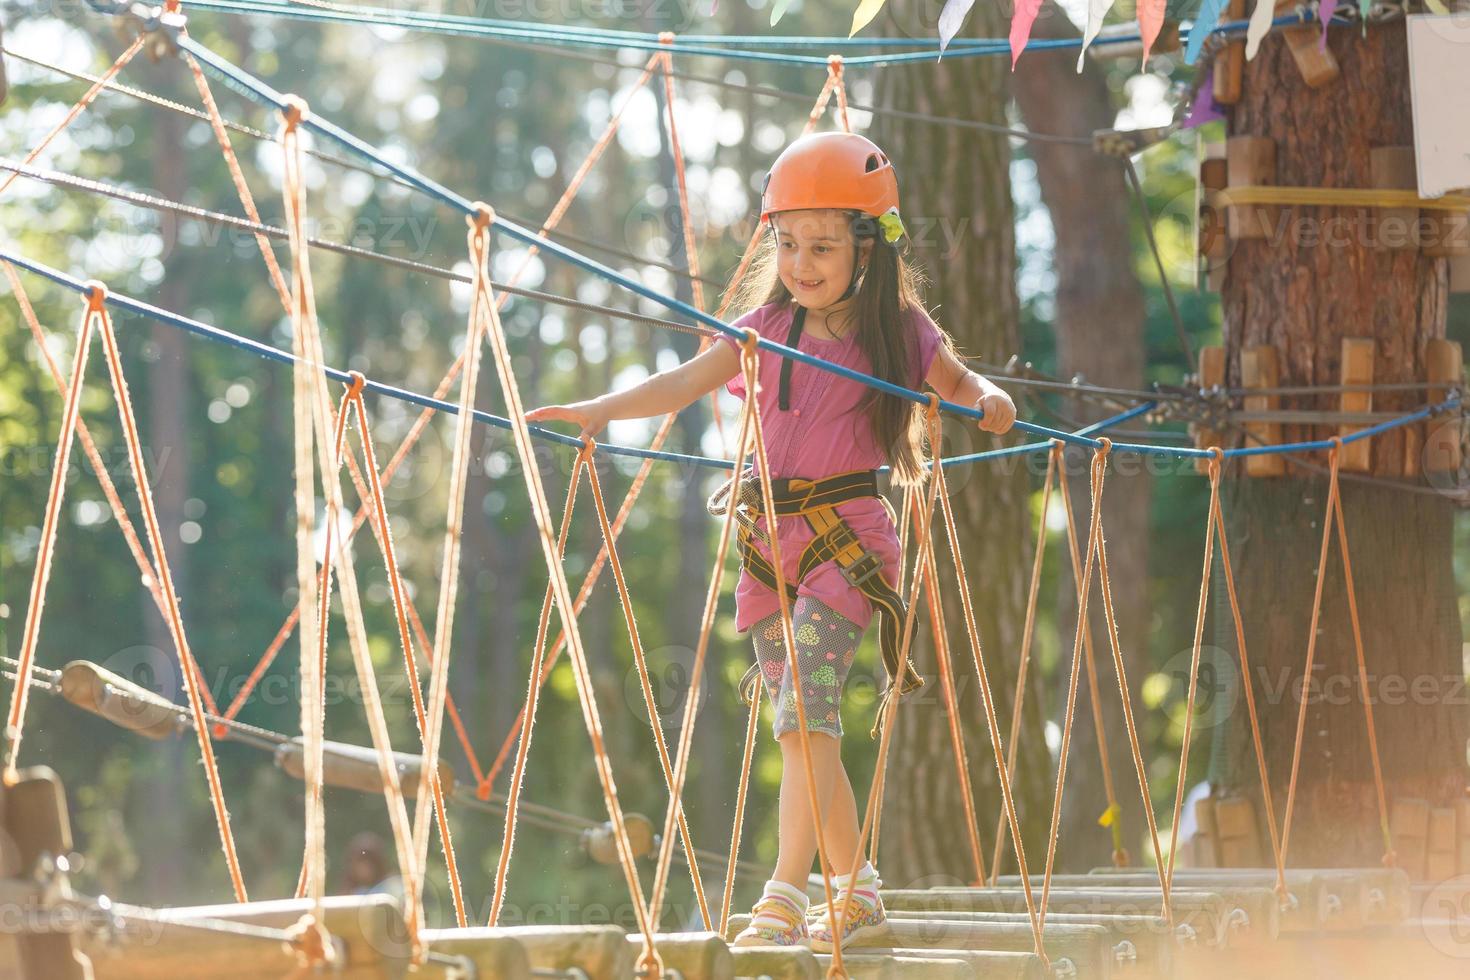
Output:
x=259 y=91
x=220 y=335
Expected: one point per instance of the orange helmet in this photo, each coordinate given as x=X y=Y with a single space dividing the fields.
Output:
x=831 y=170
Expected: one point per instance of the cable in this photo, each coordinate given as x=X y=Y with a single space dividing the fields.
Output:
x=1148 y=231
x=214 y=217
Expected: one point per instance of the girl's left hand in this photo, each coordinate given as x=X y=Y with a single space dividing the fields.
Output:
x=1000 y=412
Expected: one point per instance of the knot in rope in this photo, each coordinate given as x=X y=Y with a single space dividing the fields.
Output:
x=589 y=446
x=311 y=941
x=933 y=410
x=834 y=66
x=354 y=387
x=665 y=37
x=752 y=339
x=483 y=216
x=1104 y=445
x=294 y=111
x=650 y=964
x=1390 y=858
x=1217 y=458
x=96 y=293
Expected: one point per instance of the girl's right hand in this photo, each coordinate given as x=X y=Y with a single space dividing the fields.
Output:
x=590 y=415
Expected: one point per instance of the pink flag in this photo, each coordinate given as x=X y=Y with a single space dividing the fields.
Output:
x=1021 y=21
x=1325 y=9
x=1150 y=21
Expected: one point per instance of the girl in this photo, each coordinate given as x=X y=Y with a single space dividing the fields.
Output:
x=829 y=281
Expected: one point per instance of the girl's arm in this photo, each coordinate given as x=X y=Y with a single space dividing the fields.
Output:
x=664 y=392
x=958 y=384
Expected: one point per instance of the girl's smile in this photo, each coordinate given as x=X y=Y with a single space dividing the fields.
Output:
x=815 y=255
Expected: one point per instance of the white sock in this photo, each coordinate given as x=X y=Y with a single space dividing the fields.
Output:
x=867 y=877
x=788 y=893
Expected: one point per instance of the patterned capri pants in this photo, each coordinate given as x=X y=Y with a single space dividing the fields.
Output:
x=825 y=643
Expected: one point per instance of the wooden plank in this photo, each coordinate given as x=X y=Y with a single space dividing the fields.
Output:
x=1211 y=375
x=1356 y=369
x=1441 y=850
x=1392 y=168
x=1317 y=64
x=1409 y=822
x=1251 y=161
x=1445 y=365
x=1259 y=369
x=1230 y=62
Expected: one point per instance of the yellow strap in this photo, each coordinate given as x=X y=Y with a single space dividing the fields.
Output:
x=1334 y=196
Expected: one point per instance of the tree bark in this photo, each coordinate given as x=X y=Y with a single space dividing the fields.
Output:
x=1321 y=277
x=957 y=179
x=1099 y=328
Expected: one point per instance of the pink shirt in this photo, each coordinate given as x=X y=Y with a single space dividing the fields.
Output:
x=822 y=436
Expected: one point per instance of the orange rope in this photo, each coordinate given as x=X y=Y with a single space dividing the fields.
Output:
x=77 y=109
x=1199 y=633
x=146 y=570
x=1334 y=511
x=988 y=700
x=311 y=389
x=525 y=451
x=1250 y=702
x=20 y=696
x=750 y=363
x=1138 y=766
x=1120 y=854
x=903 y=572
x=735 y=833
x=640 y=660
x=1098 y=473
x=924 y=573
x=839 y=86
x=175 y=619
x=1028 y=632
x=951 y=713
x=533 y=690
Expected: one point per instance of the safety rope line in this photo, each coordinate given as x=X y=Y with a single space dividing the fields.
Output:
x=951 y=706
x=1028 y=632
x=533 y=690
x=1114 y=812
x=1278 y=858
x=95 y=313
x=1335 y=513
x=691 y=704
x=370 y=495
x=1098 y=474
x=525 y=451
x=753 y=716
x=997 y=747
x=147 y=573
x=665 y=428
x=924 y=574
x=750 y=368
x=420 y=424
x=401 y=602
x=1362 y=197
x=650 y=703
x=1130 y=724
x=79 y=107
x=312 y=397
x=1213 y=472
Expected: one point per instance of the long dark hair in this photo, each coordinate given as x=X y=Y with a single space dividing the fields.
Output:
x=889 y=286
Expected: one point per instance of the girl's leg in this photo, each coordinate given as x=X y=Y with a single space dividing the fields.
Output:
x=798 y=841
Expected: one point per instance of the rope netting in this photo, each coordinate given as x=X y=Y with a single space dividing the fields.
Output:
x=319 y=428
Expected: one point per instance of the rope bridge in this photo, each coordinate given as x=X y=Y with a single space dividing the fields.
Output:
x=321 y=429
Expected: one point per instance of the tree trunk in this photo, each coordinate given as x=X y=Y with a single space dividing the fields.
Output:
x=956 y=181
x=1317 y=279
x=1099 y=327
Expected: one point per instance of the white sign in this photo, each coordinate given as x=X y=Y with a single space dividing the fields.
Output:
x=1439 y=85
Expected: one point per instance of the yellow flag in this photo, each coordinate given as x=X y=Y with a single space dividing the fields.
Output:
x=1109 y=816
x=864 y=14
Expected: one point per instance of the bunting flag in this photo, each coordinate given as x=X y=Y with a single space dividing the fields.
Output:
x=1021 y=21
x=1096 y=11
x=1260 y=26
x=1325 y=9
x=1204 y=25
x=778 y=10
x=864 y=14
x=1150 y=22
x=1204 y=108
x=951 y=18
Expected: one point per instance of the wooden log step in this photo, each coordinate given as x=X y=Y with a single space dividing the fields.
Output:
x=492 y=951
x=368 y=931
x=598 y=951
x=776 y=962
x=1099 y=900
x=1140 y=943
x=989 y=964
x=1087 y=948
x=696 y=955
x=1384 y=901
x=872 y=966
x=1316 y=901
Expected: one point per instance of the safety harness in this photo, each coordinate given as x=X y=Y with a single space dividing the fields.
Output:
x=834 y=540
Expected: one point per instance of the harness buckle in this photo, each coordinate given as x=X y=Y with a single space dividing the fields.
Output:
x=863 y=569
